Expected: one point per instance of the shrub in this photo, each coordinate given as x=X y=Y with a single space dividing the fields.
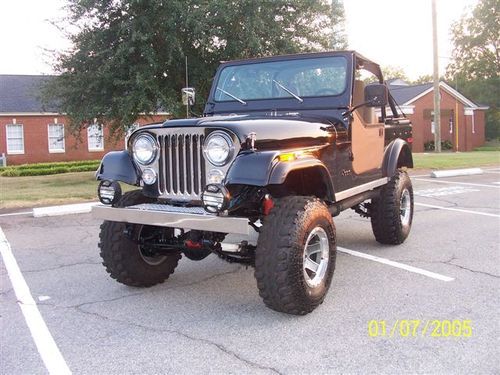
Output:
x=56 y=164
x=445 y=145
x=43 y=169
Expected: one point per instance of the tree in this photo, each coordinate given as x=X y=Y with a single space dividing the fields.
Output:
x=393 y=72
x=475 y=64
x=128 y=56
x=426 y=78
x=339 y=36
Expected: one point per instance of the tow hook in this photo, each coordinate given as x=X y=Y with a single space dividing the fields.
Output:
x=267 y=204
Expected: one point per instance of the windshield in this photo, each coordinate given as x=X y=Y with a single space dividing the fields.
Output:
x=297 y=78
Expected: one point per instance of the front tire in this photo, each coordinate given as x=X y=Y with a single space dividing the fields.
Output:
x=392 y=211
x=125 y=260
x=295 y=255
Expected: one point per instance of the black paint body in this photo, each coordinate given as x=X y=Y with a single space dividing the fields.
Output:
x=318 y=124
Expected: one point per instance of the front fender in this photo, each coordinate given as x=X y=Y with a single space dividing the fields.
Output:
x=118 y=166
x=282 y=170
x=252 y=168
x=397 y=154
x=263 y=168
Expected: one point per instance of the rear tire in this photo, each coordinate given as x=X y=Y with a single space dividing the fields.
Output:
x=295 y=255
x=124 y=259
x=392 y=212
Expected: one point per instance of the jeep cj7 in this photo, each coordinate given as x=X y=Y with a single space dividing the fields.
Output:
x=284 y=145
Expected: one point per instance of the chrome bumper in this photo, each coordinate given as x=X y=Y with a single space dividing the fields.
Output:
x=163 y=215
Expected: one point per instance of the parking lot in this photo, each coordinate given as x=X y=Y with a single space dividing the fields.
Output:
x=209 y=318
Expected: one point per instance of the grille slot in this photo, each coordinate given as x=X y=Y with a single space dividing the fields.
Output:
x=181 y=165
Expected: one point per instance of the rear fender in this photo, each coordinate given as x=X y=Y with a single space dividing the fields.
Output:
x=118 y=166
x=397 y=154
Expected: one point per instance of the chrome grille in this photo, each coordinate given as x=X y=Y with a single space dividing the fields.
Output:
x=181 y=164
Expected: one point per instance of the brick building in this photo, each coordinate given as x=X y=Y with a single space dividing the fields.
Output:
x=31 y=133
x=462 y=120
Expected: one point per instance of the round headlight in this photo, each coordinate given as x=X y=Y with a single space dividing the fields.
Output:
x=144 y=149
x=218 y=148
x=148 y=176
x=215 y=176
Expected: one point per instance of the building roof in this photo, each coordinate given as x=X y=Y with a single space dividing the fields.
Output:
x=403 y=94
x=21 y=94
x=397 y=82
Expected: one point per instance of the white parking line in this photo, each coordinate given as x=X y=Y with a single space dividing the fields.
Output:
x=18 y=213
x=457 y=210
x=457 y=183
x=47 y=347
x=392 y=263
x=444 y=191
x=420 y=175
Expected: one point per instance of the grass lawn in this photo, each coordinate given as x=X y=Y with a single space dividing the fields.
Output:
x=17 y=192
x=47 y=190
x=452 y=160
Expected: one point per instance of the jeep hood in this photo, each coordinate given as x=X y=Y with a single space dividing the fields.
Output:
x=271 y=132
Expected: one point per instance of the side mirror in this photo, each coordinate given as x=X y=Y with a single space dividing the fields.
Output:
x=376 y=95
x=188 y=96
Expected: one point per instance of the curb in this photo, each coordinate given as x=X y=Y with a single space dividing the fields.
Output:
x=67 y=209
x=456 y=172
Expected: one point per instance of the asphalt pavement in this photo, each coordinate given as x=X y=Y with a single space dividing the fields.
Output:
x=382 y=314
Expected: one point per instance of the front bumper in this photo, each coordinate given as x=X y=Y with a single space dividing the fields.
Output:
x=164 y=215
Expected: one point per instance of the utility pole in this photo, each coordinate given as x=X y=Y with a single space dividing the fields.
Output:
x=437 y=104
x=187 y=85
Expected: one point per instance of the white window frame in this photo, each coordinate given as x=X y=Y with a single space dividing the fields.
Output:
x=91 y=134
x=470 y=112
x=9 y=150
x=56 y=150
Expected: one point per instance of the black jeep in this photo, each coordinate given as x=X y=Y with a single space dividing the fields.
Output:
x=285 y=144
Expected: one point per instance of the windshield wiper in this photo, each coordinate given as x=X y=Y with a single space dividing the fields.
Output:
x=289 y=91
x=232 y=96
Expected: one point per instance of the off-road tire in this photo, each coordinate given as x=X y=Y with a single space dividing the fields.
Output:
x=122 y=256
x=279 y=257
x=386 y=211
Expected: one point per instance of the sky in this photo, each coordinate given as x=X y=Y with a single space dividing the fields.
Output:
x=395 y=33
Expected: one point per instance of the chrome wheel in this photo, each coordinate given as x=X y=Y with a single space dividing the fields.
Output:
x=405 y=207
x=316 y=253
x=152 y=260
x=146 y=254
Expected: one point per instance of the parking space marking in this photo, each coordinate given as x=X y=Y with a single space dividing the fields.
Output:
x=456 y=209
x=392 y=263
x=47 y=347
x=456 y=182
x=420 y=175
x=18 y=213
x=440 y=192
